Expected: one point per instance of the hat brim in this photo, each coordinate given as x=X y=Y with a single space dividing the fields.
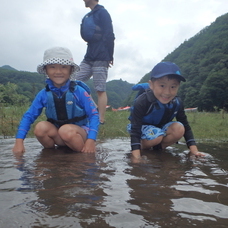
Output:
x=170 y=73
x=41 y=67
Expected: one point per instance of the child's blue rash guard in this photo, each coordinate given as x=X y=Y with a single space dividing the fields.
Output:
x=82 y=99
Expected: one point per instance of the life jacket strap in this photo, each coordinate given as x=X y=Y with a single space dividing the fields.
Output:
x=62 y=122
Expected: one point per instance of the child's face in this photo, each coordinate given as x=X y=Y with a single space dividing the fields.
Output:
x=165 y=89
x=59 y=74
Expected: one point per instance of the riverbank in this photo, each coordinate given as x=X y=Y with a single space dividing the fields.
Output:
x=206 y=126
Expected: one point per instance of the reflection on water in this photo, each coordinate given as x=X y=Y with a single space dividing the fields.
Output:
x=59 y=188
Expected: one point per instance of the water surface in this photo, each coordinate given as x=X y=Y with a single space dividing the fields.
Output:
x=61 y=188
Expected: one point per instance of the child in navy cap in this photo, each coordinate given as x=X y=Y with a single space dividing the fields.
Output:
x=153 y=111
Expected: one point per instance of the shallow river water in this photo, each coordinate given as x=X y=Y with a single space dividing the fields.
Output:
x=59 y=188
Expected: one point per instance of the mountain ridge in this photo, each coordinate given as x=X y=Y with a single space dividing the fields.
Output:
x=203 y=60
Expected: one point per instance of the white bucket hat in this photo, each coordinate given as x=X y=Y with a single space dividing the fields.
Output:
x=57 y=55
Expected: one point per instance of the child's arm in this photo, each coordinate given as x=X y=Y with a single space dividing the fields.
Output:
x=19 y=146
x=194 y=151
x=137 y=114
x=188 y=135
x=28 y=118
x=88 y=105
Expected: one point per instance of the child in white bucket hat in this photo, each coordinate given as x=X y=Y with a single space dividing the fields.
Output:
x=57 y=55
x=72 y=117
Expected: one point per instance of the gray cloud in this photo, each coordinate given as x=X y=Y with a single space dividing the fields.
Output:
x=146 y=31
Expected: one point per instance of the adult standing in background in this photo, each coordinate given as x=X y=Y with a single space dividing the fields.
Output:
x=97 y=31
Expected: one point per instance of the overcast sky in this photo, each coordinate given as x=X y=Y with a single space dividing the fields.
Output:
x=146 y=30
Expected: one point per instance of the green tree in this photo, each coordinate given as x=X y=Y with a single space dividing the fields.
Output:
x=9 y=95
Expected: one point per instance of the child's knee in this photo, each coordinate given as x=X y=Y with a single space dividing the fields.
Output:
x=176 y=129
x=40 y=128
x=179 y=128
x=67 y=132
x=44 y=128
x=64 y=130
x=175 y=126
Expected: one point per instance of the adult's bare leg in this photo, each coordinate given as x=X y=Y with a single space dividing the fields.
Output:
x=102 y=103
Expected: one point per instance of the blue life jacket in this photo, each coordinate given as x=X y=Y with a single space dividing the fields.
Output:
x=141 y=88
x=158 y=114
x=90 y=31
x=65 y=110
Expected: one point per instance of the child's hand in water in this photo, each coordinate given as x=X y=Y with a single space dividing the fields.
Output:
x=197 y=154
x=194 y=151
x=137 y=158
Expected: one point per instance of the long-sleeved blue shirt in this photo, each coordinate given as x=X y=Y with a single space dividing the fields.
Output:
x=83 y=99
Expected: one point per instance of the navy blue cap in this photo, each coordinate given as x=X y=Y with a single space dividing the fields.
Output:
x=166 y=68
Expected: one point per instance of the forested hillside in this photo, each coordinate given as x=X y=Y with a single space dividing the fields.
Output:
x=203 y=60
x=19 y=87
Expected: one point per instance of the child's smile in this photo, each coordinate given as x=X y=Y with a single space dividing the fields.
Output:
x=165 y=89
x=59 y=74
